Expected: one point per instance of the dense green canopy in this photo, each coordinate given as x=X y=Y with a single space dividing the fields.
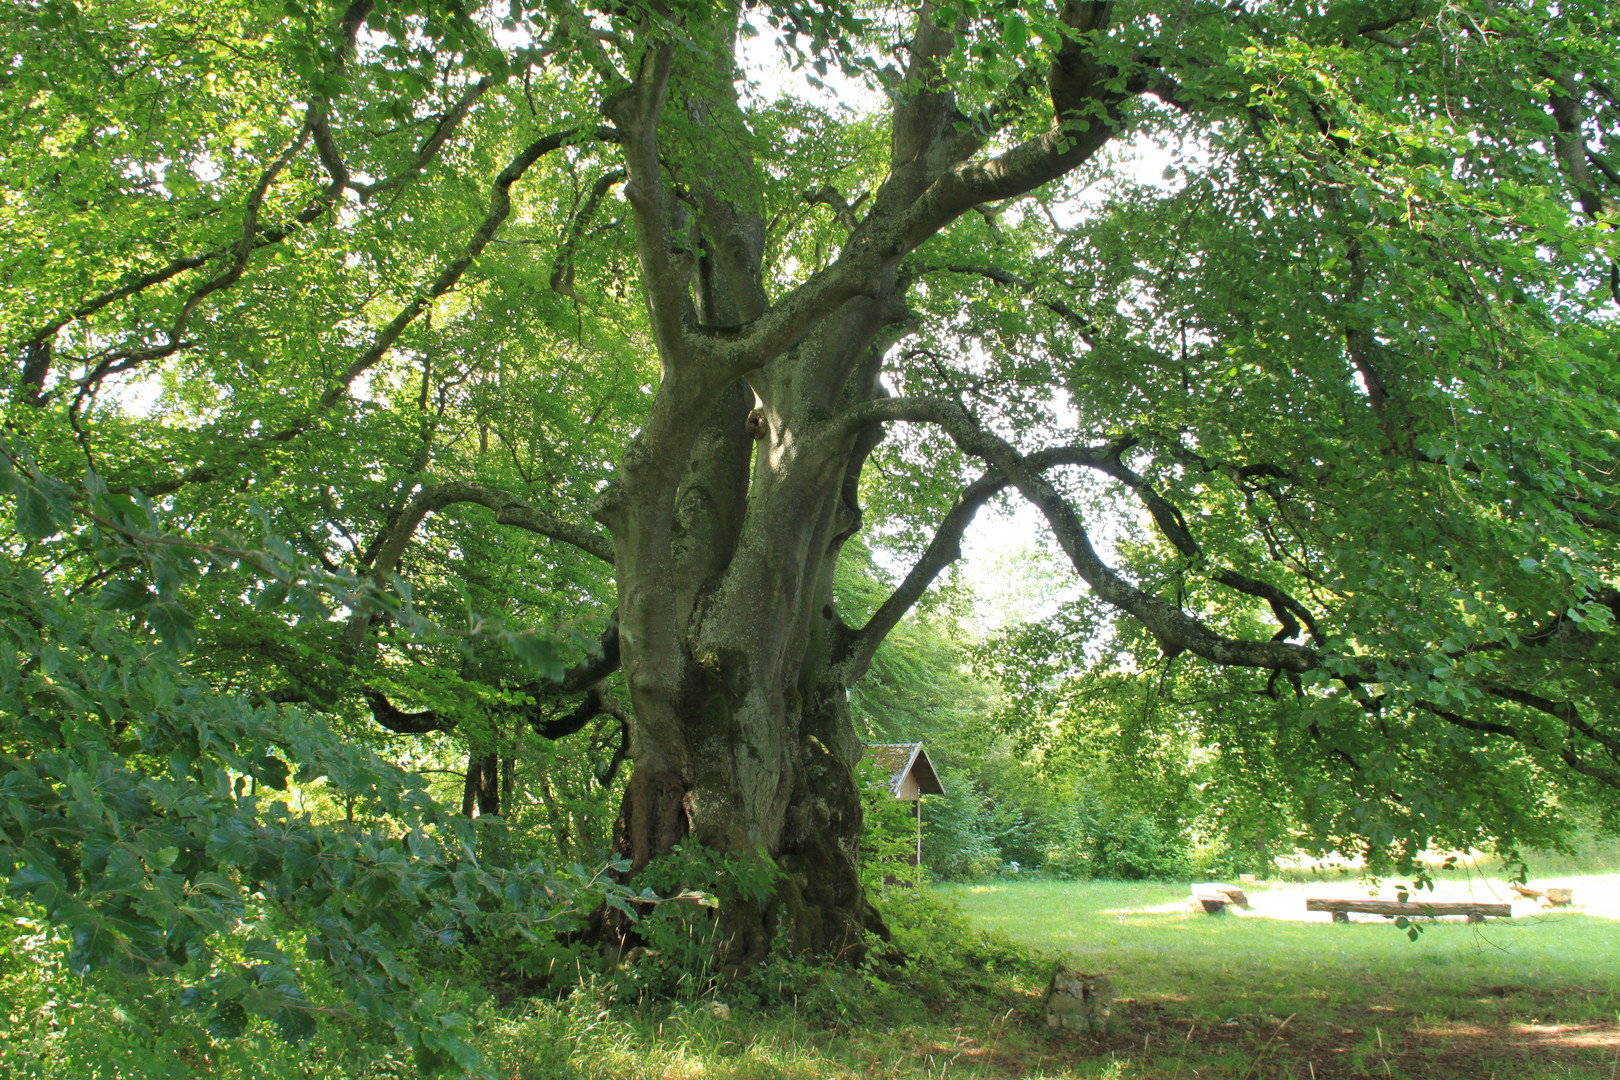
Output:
x=502 y=386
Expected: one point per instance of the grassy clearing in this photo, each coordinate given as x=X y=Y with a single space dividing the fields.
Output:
x=1264 y=995
x=1534 y=996
x=1244 y=996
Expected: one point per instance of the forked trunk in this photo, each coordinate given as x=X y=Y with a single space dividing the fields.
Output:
x=733 y=651
x=732 y=503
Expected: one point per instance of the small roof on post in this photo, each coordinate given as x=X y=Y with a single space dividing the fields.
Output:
x=910 y=773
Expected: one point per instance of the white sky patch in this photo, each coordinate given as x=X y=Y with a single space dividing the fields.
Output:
x=1015 y=577
x=136 y=394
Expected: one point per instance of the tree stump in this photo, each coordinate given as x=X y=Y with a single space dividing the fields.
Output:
x=1213 y=896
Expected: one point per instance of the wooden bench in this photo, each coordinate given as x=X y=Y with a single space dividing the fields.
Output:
x=1412 y=909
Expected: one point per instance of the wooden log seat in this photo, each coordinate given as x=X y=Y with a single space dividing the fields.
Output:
x=1341 y=909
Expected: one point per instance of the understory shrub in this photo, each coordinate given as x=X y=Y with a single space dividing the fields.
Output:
x=1117 y=843
x=682 y=931
x=962 y=829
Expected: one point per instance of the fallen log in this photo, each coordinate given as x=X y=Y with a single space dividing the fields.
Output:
x=1553 y=896
x=1476 y=912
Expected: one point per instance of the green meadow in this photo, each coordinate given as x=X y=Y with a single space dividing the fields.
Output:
x=1263 y=993
x=1245 y=995
x=1267 y=993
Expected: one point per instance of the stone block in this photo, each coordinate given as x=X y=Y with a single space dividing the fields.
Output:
x=1078 y=1002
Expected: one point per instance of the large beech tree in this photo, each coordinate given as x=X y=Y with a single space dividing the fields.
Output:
x=558 y=314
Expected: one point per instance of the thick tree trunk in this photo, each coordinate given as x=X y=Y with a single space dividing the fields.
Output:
x=801 y=808
x=481 y=793
x=742 y=738
x=733 y=501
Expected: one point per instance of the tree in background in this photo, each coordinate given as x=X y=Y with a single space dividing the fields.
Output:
x=550 y=327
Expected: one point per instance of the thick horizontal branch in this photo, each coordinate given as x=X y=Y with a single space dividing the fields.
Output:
x=570 y=723
x=584 y=677
x=404 y=723
x=510 y=509
x=1366 y=669
x=1175 y=630
x=1173 y=525
x=1484 y=727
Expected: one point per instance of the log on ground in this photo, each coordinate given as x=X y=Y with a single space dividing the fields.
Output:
x=1413 y=908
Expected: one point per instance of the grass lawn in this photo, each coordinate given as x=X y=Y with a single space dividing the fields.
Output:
x=1265 y=994
x=1268 y=994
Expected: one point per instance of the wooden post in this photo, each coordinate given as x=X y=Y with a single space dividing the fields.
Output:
x=917 y=813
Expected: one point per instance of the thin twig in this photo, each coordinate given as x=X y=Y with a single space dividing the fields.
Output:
x=1255 y=1064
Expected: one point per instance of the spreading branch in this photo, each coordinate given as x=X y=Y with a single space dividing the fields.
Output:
x=1175 y=629
x=584 y=677
x=510 y=509
x=562 y=270
x=500 y=206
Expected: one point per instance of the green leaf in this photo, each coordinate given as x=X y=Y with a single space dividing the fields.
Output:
x=1015 y=31
x=538 y=653
x=35 y=519
x=295 y=1024
x=125 y=596
x=176 y=627
x=271 y=771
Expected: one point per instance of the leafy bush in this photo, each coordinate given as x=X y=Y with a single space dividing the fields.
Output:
x=961 y=830
x=888 y=832
x=1119 y=843
x=145 y=822
x=682 y=933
